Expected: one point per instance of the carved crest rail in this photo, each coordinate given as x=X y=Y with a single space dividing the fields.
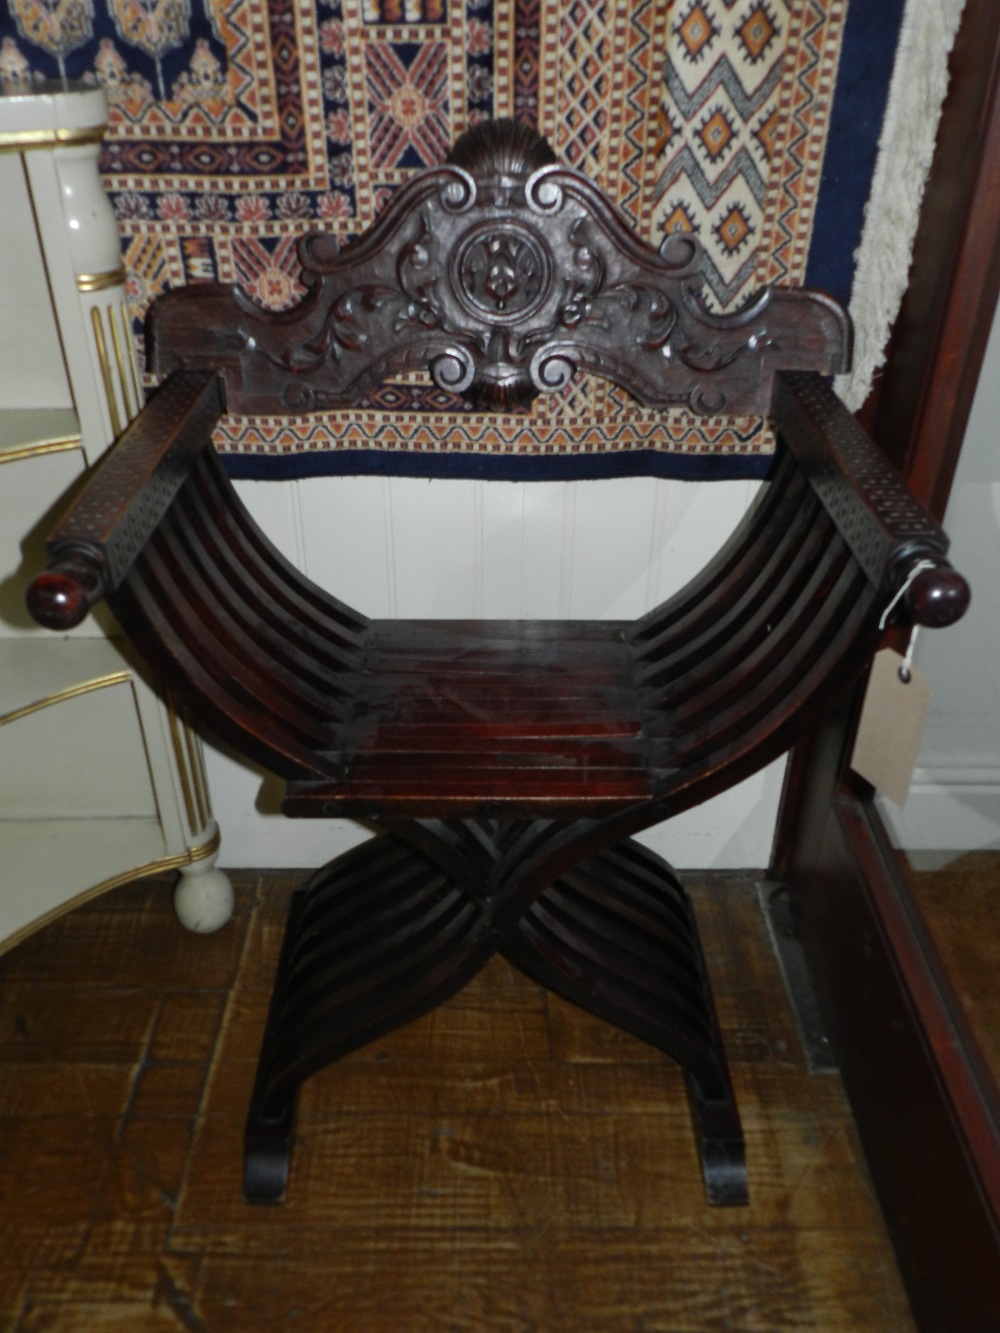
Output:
x=504 y=274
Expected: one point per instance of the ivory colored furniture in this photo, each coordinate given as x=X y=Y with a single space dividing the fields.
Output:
x=507 y=764
x=101 y=778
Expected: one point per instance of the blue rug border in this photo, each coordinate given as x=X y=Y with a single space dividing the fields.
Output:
x=861 y=94
x=483 y=467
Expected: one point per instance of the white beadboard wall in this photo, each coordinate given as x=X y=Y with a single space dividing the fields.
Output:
x=415 y=548
x=954 y=802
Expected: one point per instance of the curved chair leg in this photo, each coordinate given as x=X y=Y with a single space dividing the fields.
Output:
x=617 y=935
x=374 y=939
x=390 y=930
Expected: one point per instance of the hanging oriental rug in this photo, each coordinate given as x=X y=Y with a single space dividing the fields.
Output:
x=238 y=125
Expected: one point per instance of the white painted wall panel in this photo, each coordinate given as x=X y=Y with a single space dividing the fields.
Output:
x=346 y=538
x=606 y=566
x=505 y=568
x=414 y=548
x=954 y=802
x=34 y=374
x=435 y=553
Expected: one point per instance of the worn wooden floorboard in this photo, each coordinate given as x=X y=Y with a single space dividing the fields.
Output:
x=961 y=904
x=507 y=1163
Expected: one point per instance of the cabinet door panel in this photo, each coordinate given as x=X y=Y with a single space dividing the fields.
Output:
x=82 y=757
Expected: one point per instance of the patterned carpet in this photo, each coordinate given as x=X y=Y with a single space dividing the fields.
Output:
x=237 y=125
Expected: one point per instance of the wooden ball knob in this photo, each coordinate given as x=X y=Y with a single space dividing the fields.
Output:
x=58 y=599
x=937 y=597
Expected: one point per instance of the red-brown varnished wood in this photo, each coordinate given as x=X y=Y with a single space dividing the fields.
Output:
x=917 y=415
x=908 y=1051
x=507 y=764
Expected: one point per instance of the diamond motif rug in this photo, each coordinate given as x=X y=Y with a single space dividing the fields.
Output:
x=238 y=125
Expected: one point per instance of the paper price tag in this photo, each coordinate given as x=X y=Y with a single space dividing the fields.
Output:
x=892 y=723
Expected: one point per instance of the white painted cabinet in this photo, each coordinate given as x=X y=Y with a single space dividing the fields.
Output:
x=99 y=781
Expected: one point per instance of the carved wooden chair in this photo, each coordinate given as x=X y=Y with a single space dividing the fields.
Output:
x=506 y=764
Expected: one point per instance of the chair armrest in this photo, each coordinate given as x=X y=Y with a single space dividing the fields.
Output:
x=889 y=532
x=116 y=513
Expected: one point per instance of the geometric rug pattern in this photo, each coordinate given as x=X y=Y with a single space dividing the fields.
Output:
x=239 y=125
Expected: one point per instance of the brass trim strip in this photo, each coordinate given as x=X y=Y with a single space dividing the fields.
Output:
x=204 y=851
x=105 y=364
x=98 y=282
x=23 y=141
x=197 y=772
x=36 y=450
x=123 y=375
x=176 y=861
x=180 y=764
x=72 y=692
x=133 y=364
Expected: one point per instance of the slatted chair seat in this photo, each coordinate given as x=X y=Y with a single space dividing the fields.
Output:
x=507 y=764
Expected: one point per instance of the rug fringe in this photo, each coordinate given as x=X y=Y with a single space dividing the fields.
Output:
x=906 y=147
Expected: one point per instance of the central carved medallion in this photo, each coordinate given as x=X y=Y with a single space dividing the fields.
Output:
x=501 y=271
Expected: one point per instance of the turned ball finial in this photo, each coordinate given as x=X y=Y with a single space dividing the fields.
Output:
x=60 y=597
x=937 y=597
x=501 y=148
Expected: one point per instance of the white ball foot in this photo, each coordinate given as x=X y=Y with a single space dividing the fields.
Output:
x=203 y=898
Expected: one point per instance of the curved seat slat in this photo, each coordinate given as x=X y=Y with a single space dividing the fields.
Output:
x=212 y=685
x=733 y=562
x=324 y=613
x=238 y=566
x=793 y=648
x=737 y=665
x=687 y=674
x=240 y=657
x=418 y=954
x=757 y=544
x=250 y=638
x=730 y=614
x=568 y=920
x=780 y=715
x=657 y=940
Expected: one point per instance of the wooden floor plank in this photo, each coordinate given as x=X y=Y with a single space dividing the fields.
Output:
x=124 y=950
x=683 y=1282
x=505 y=1163
x=52 y=1169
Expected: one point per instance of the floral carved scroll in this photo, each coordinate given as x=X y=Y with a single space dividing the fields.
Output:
x=504 y=274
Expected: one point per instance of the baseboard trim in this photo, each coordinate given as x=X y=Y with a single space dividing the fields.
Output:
x=955 y=807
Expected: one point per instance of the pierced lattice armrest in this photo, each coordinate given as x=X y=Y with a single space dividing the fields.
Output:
x=899 y=545
x=102 y=532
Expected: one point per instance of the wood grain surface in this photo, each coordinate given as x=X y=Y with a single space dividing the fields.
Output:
x=958 y=902
x=507 y=1163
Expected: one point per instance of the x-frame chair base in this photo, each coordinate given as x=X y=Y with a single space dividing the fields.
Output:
x=382 y=935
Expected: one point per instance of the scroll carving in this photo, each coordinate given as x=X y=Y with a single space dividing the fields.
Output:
x=504 y=274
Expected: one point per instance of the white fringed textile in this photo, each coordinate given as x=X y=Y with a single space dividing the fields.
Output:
x=916 y=93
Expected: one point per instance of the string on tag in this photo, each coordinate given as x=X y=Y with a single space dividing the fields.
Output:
x=918 y=568
x=906 y=666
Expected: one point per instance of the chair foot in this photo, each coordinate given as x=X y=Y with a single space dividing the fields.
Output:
x=267 y=1155
x=721 y=1147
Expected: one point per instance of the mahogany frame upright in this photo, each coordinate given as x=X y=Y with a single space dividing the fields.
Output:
x=907 y=1054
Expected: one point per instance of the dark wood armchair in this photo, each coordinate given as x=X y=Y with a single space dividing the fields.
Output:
x=507 y=765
